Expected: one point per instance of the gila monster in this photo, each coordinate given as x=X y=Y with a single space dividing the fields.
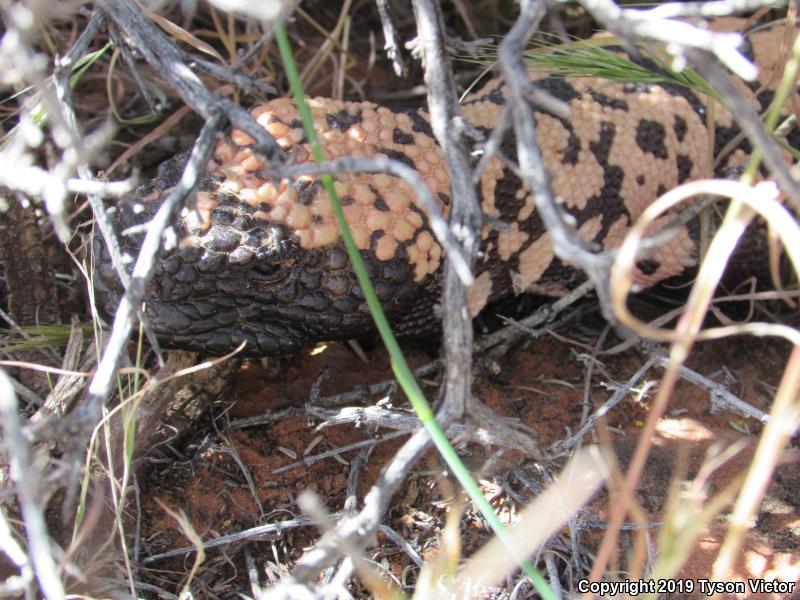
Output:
x=262 y=261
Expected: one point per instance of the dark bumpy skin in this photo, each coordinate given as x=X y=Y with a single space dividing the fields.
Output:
x=262 y=261
x=243 y=280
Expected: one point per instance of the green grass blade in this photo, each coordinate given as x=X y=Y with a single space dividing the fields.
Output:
x=593 y=58
x=400 y=367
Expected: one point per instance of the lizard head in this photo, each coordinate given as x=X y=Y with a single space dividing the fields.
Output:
x=233 y=274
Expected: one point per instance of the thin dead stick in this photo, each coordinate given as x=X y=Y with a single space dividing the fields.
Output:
x=465 y=212
x=254 y=533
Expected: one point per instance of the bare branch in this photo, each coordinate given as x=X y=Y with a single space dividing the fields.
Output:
x=465 y=212
x=102 y=382
x=169 y=62
x=390 y=35
x=26 y=479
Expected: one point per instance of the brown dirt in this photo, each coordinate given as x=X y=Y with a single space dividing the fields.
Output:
x=542 y=386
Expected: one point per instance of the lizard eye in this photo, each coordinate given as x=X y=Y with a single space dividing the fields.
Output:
x=269 y=270
x=272 y=271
